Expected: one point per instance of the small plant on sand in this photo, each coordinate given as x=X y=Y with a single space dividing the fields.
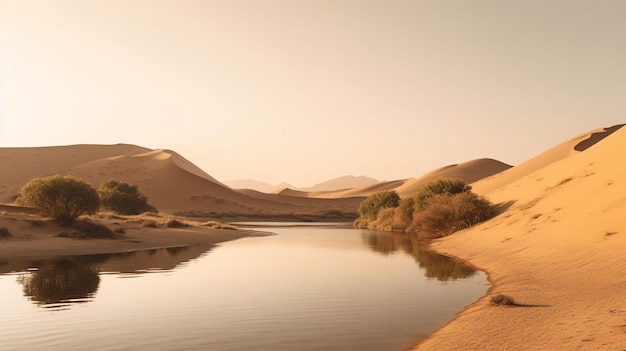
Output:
x=501 y=300
x=63 y=198
x=123 y=198
x=87 y=230
x=4 y=233
x=175 y=223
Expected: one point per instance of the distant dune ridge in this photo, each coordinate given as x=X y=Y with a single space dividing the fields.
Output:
x=340 y=183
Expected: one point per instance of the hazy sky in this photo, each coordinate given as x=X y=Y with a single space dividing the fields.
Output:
x=307 y=90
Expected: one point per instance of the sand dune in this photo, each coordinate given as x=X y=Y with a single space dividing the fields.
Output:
x=468 y=172
x=171 y=182
x=558 y=250
x=557 y=153
x=22 y=164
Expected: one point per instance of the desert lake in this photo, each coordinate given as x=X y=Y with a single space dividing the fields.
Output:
x=309 y=287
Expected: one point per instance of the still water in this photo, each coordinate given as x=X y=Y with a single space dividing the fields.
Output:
x=306 y=288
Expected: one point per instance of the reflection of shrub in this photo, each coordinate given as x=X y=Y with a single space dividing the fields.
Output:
x=64 y=281
x=502 y=300
x=444 y=214
x=435 y=266
x=4 y=233
x=123 y=198
x=63 y=198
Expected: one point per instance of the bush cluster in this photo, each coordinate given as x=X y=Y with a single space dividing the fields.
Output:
x=65 y=198
x=439 y=208
x=123 y=198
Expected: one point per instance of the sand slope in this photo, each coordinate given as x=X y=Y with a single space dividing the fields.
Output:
x=22 y=164
x=171 y=182
x=557 y=153
x=468 y=172
x=558 y=250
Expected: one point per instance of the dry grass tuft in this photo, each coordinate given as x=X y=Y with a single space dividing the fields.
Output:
x=502 y=300
x=218 y=225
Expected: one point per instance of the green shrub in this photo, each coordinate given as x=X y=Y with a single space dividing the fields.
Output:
x=437 y=187
x=444 y=214
x=384 y=199
x=123 y=198
x=63 y=198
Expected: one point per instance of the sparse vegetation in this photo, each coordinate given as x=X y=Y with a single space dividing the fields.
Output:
x=87 y=230
x=63 y=198
x=175 y=223
x=370 y=207
x=502 y=300
x=123 y=198
x=444 y=214
x=4 y=233
x=439 y=208
x=438 y=187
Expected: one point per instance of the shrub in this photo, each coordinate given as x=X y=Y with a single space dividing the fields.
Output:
x=63 y=198
x=438 y=187
x=87 y=230
x=4 y=233
x=502 y=300
x=123 y=198
x=443 y=214
x=369 y=208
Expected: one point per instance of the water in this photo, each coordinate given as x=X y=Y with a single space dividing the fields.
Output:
x=307 y=288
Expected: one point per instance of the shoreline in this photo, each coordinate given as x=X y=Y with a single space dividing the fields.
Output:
x=567 y=296
x=32 y=237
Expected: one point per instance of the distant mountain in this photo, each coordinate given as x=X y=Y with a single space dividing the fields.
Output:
x=345 y=182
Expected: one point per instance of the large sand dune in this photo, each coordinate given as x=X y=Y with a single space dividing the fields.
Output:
x=558 y=250
x=171 y=182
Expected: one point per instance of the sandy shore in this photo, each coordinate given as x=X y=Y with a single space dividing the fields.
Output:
x=31 y=239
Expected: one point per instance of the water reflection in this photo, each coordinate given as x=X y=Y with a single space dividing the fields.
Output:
x=56 y=283
x=435 y=266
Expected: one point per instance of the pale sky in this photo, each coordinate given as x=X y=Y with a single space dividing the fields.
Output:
x=307 y=90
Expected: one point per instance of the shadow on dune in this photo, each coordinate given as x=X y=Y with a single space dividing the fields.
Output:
x=596 y=137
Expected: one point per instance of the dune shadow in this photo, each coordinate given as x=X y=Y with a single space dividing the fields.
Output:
x=527 y=305
x=503 y=206
x=596 y=137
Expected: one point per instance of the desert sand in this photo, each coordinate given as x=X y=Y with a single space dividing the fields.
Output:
x=558 y=250
x=33 y=236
